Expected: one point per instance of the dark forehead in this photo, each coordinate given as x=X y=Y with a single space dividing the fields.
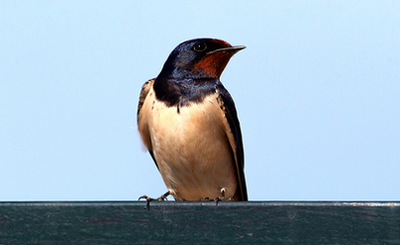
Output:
x=211 y=42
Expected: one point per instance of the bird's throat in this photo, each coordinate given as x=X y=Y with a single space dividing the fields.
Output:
x=180 y=93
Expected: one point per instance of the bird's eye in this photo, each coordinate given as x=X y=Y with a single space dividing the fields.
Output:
x=199 y=47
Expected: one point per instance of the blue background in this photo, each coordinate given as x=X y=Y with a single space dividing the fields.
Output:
x=317 y=91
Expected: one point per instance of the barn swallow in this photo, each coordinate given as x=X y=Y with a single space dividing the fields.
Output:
x=188 y=122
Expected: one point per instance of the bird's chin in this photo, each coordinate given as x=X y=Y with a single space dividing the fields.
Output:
x=214 y=62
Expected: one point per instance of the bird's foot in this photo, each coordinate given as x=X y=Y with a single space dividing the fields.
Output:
x=149 y=199
x=222 y=198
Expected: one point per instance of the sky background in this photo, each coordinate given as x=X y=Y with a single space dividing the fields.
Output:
x=317 y=91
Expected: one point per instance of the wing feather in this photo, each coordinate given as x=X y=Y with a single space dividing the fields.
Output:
x=142 y=126
x=228 y=106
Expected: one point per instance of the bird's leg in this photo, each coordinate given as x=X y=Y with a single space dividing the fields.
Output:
x=149 y=199
x=222 y=197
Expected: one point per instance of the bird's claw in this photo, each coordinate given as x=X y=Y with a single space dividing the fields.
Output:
x=221 y=198
x=153 y=199
x=149 y=199
x=218 y=199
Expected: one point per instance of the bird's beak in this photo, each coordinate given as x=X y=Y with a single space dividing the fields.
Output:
x=232 y=49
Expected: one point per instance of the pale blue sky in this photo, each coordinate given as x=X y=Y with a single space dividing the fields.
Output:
x=317 y=91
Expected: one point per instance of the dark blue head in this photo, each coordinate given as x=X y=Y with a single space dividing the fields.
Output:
x=192 y=71
x=198 y=58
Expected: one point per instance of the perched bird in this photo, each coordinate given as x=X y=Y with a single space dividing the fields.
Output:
x=188 y=122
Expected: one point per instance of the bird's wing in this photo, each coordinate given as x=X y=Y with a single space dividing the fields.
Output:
x=228 y=106
x=143 y=128
x=143 y=94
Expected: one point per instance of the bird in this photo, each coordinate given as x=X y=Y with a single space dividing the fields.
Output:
x=188 y=122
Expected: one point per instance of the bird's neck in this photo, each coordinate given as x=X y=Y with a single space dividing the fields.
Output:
x=183 y=91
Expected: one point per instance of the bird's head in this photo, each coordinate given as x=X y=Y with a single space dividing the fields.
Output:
x=199 y=58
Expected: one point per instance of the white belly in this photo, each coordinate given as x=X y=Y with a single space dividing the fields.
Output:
x=191 y=148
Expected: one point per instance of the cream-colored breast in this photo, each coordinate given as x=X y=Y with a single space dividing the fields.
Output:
x=192 y=148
